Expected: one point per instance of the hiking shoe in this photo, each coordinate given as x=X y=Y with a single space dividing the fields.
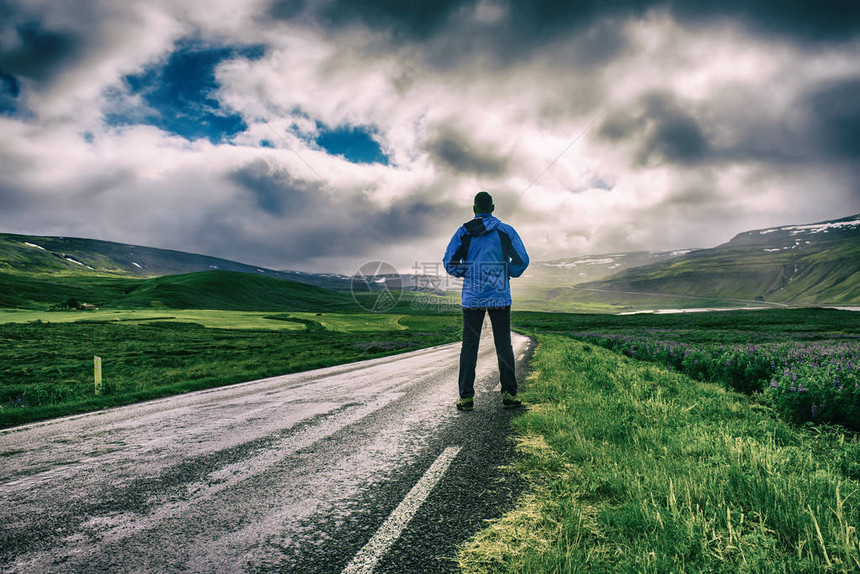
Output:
x=466 y=404
x=510 y=401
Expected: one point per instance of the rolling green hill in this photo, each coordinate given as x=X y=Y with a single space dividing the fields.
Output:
x=41 y=273
x=32 y=254
x=232 y=290
x=228 y=290
x=797 y=265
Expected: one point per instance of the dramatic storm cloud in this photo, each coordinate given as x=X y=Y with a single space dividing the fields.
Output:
x=321 y=134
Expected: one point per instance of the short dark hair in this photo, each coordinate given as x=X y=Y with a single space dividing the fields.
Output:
x=484 y=202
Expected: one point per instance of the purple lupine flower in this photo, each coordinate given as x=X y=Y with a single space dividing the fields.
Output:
x=814 y=411
x=774 y=384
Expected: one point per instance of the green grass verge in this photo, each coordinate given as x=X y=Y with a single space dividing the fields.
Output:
x=637 y=469
x=46 y=369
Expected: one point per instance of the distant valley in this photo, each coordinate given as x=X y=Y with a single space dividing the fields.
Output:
x=793 y=265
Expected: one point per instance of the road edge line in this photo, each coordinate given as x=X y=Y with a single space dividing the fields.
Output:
x=367 y=558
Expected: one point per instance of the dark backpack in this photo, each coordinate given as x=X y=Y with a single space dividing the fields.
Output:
x=476 y=228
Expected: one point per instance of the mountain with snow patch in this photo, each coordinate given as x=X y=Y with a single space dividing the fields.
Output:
x=805 y=264
x=75 y=256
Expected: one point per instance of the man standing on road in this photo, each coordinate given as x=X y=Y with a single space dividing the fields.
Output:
x=486 y=252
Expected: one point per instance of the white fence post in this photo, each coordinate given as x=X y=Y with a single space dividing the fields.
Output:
x=97 y=367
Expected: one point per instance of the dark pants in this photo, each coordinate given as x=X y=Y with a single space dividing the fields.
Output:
x=473 y=319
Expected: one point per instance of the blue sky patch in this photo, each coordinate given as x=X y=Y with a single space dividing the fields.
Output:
x=354 y=143
x=180 y=94
x=10 y=89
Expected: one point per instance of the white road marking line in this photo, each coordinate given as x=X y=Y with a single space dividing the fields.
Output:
x=366 y=559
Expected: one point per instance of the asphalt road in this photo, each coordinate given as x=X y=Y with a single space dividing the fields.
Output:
x=364 y=466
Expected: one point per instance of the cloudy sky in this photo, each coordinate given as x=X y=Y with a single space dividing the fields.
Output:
x=321 y=134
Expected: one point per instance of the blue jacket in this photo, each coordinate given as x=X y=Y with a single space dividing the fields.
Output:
x=486 y=252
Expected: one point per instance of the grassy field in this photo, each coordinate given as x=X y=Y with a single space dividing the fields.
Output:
x=208 y=318
x=577 y=299
x=638 y=469
x=46 y=358
x=804 y=363
x=165 y=335
x=217 y=319
x=728 y=326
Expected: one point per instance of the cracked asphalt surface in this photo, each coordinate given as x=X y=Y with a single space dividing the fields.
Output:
x=287 y=474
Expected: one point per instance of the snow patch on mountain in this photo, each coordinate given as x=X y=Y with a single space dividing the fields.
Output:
x=813 y=227
x=571 y=264
x=76 y=262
